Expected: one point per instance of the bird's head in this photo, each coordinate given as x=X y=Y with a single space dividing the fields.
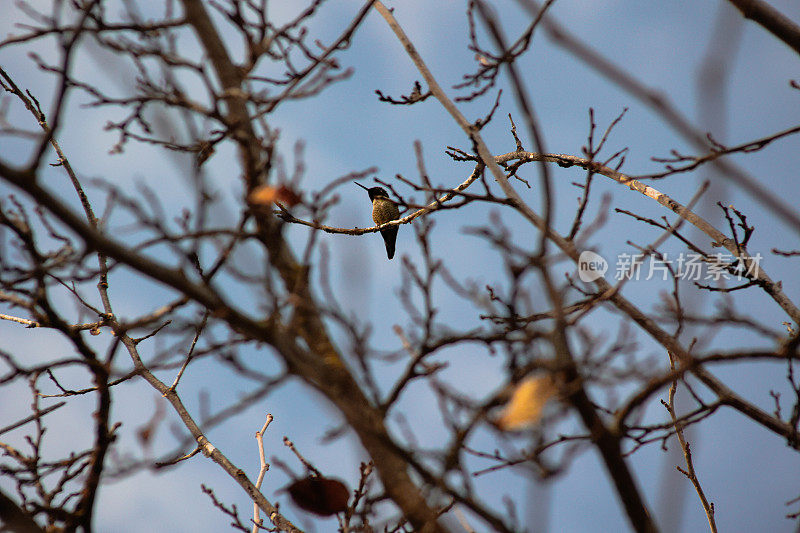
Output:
x=374 y=192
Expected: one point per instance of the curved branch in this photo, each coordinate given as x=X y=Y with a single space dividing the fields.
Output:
x=429 y=208
x=770 y=19
x=772 y=288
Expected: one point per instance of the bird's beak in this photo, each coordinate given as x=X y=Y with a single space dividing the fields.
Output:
x=365 y=188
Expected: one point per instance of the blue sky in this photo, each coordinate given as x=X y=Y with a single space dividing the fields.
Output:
x=747 y=472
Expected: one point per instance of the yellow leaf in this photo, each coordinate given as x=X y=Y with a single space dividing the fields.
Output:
x=527 y=402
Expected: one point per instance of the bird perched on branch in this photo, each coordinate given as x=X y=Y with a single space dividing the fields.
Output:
x=383 y=210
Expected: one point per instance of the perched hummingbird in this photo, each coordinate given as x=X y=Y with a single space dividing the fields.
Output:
x=383 y=210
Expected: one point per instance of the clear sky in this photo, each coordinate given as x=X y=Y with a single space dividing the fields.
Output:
x=748 y=473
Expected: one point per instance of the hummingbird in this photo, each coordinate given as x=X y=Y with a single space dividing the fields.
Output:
x=383 y=210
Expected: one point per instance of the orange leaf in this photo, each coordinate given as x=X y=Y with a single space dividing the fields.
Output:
x=266 y=194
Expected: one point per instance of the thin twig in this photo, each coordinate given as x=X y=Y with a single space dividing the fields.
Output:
x=687 y=454
x=257 y=522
